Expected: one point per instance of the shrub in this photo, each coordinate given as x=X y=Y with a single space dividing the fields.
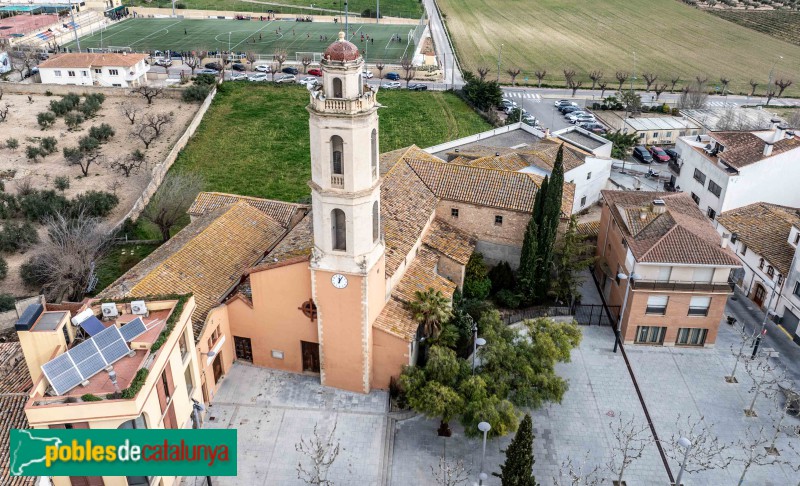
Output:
x=508 y=298
x=98 y=98
x=45 y=119
x=32 y=272
x=61 y=183
x=17 y=236
x=60 y=107
x=95 y=203
x=72 y=100
x=102 y=133
x=33 y=153
x=48 y=145
x=89 y=108
x=12 y=143
x=3 y=268
x=73 y=120
x=476 y=281
x=7 y=302
x=205 y=79
x=196 y=93
x=42 y=203
x=502 y=277
x=136 y=384
x=88 y=397
x=180 y=5
x=48 y=93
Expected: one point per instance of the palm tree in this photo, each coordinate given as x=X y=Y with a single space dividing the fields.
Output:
x=430 y=309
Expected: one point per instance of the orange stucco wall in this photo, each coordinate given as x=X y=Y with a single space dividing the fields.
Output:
x=217 y=318
x=389 y=354
x=275 y=322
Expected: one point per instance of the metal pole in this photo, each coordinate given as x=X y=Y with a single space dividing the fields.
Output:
x=346 y=23
x=474 y=345
x=173 y=8
x=74 y=26
x=499 y=57
x=683 y=466
x=763 y=330
x=378 y=13
x=633 y=75
x=229 y=44
x=622 y=313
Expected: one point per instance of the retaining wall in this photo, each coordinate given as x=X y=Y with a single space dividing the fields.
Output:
x=61 y=89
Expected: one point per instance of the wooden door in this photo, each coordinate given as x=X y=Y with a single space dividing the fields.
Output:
x=310 y=353
x=759 y=295
x=217 y=366
x=244 y=348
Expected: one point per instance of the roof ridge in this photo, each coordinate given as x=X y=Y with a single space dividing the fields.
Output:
x=669 y=232
x=402 y=157
x=242 y=196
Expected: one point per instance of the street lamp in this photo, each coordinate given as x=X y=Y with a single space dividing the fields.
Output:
x=622 y=276
x=686 y=444
x=229 y=42
x=499 y=57
x=476 y=341
x=484 y=427
x=763 y=330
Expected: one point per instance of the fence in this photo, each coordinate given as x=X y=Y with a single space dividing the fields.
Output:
x=584 y=314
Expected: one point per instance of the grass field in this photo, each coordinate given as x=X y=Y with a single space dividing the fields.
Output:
x=389 y=8
x=144 y=34
x=667 y=36
x=780 y=24
x=254 y=138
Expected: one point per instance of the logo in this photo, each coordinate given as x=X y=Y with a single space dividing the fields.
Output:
x=122 y=452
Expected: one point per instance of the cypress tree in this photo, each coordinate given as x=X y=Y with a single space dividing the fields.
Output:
x=518 y=468
x=529 y=255
x=548 y=227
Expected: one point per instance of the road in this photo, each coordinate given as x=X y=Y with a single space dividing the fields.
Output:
x=444 y=50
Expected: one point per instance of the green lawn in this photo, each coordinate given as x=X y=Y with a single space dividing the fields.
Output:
x=254 y=138
x=389 y=8
x=667 y=36
x=120 y=259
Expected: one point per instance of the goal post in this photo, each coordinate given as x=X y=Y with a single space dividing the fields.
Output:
x=314 y=56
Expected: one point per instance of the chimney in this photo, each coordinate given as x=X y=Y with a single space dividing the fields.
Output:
x=658 y=206
x=767 y=149
x=643 y=213
x=780 y=133
x=726 y=237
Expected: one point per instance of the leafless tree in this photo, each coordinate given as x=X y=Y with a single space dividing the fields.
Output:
x=766 y=379
x=482 y=71
x=67 y=255
x=223 y=61
x=753 y=86
x=409 y=75
x=144 y=133
x=595 y=76
x=673 y=81
x=320 y=452
x=692 y=97
x=631 y=438
x=622 y=76
x=130 y=110
x=306 y=61
x=569 y=75
x=707 y=452
x=724 y=82
x=157 y=121
x=379 y=66
x=149 y=92
x=603 y=85
x=4 y=112
x=408 y=67
x=782 y=85
x=279 y=57
x=450 y=473
x=192 y=60
x=513 y=72
x=659 y=88
x=540 y=74
x=114 y=184
x=129 y=164
x=701 y=81
x=770 y=93
x=171 y=201
x=274 y=68
x=791 y=399
x=571 y=474
x=574 y=86
x=745 y=339
x=23 y=61
x=86 y=154
x=649 y=79
x=755 y=451
x=251 y=58
x=794 y=119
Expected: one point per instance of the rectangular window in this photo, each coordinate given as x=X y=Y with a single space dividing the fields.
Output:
x=57 y=72
x=694 y=132
x=454 y=212
x=642 y=135
x=85 y=73
x=797 y=239
x=699 y=305
x=699 y=177
x=696 y=199
x=588 y=176
x=703 y=275
x=657 y=304
x=714 y=189
x=682 y=134
x=664 y=273
x=184 y=347
x=796 y=290
x=669 y=134
x=583 y=201
x=744 y=249
x=187 y=375
x=498 y=220
x=771 y=271
x=113 y=72
x=711 y=213
x=691 y=336
x=655 y=134
x=650 y=335
x=213 y=338
x=98 y=71
x=167 y=391
x=761 y=264
x=71 y=74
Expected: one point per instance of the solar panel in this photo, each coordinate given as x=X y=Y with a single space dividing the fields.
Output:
x=133 y=329
x=92 y=325
x=87 y=358
x=62 y=374
x=111 y=344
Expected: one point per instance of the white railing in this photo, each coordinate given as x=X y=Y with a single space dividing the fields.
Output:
x=337 y=180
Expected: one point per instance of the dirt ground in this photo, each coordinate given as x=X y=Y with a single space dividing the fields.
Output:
x=21 y=124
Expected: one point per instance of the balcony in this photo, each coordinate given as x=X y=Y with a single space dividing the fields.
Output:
x=337 y=181
x=342 y=106
x=679 y=286
x=674 y=167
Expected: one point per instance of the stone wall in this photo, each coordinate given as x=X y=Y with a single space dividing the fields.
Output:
x=59 y=90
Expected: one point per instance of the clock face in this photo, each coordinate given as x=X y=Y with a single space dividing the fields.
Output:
x=339 y=281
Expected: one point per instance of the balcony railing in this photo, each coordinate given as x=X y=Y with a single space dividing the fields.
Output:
x=674 y=167
x=679 y=286
x=337 y=180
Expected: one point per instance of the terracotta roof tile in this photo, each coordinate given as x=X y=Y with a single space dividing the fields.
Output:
x=421 y=276
x=389 y=159
x=297 y=243
x=765 y=229
x=280 y=211
x=745 y=148
x=14 y=376
x=87 y=60
x=681 y=234
x=12 y=416
x=395 y=319
x=510 y=162
x=450 y=241
x=589 y=228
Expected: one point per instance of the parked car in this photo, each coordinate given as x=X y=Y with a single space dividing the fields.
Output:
x=393 y=76
x=593 y=127
x=237 y=66
x=391 y=85
x=658 y=154
x=569 y=109
x=258 y=78
x=207 y=71
x=290 y=70
x=507 y=102
x=238 y=77
x=575 y=114
x=417 y=87
x=163 y=62
x=528 y=120
x=43 y=56
x=308 y=81
x=285 y=78
x=368 y=74
x=315 y=72
x=264 y=68
x=561 y=103
x=642 y=155
x=673 y=154
x=214 y=65
x=582 y=119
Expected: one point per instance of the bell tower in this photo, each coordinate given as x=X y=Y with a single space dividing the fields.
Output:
x=347 y=264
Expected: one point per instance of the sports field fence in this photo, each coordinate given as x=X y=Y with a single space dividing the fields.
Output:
x=418 y=30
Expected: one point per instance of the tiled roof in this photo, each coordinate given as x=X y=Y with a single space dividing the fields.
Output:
x=421 y=275
x=542 y=154
x=397 y=320
x=476 y=151
x=15 y=384
x=745 y=148
x=14 y=376
x=681 y=234
x=450 y=241
x=389 y=159
x=765 y=229
x=589 y=228
x=297 y=243
x=86 y=60
x=511 y=162
x=280 y=211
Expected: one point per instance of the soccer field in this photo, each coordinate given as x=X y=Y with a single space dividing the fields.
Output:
x=143 y=35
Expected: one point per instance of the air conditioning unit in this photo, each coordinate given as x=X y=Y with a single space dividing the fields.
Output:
x=139 y=308
x=82 y=316
x=109 y=310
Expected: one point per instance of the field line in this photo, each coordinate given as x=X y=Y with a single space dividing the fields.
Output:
x=108 y=36
x=254 y=33
x=154 y=33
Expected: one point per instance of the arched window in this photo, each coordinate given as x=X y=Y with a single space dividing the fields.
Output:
x=339 y=230
x=337 y=87
x=376 y=221
x=374 y=153
x=337 y=145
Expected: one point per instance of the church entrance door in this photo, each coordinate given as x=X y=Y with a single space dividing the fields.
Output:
x=310 y=353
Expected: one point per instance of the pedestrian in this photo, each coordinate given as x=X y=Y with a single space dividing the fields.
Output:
x=184 y=31
x=372 y=40
x=259 y=36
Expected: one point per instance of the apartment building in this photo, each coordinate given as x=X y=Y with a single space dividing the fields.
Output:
x=663 y=264
x=89 y=69
x=146 y=375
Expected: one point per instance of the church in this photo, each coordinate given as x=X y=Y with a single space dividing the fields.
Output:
x=323 y=289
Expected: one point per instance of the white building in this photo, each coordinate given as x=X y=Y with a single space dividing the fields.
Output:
x=661 y=130
x=765 y=237
x=728 y=170
x=86 y=69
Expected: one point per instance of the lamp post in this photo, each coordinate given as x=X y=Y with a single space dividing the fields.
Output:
x=74 y=25
x=499 y=58
x=476 y=341
x=622 y=276
x=763 y=330
x=484 y=427
x=686 y=444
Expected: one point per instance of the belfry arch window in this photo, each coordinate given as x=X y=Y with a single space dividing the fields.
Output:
x=338 y=230
x=374 y=153
x=337 y=87
x=337 y=146
x=376 y=221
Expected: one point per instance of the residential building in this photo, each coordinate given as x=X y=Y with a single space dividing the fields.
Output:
x=146 y=377
x=662 y=264
x=765 y=238
x=660 y=130
x=727 y=170
x=88 y=69
x=729 y=118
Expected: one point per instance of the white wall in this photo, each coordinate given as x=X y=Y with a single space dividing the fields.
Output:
x=88 y=76
x=692 y=159
x=590 y=178
x=773 y=180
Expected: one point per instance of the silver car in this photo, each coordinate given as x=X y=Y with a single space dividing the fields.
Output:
x=285 y=78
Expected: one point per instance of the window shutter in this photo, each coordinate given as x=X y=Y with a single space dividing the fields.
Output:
x=700 y=302
x=657 y=301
